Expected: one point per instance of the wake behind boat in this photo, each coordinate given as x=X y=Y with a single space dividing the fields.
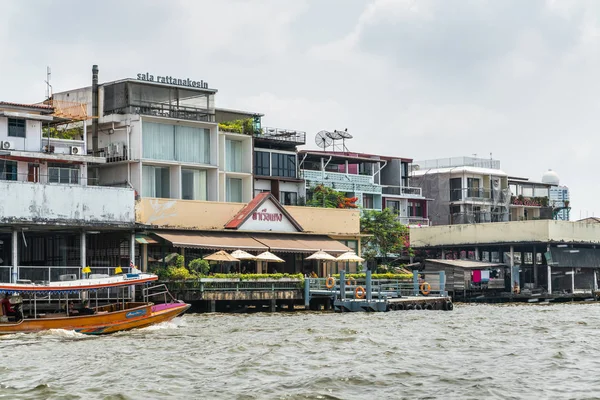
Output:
x=113 y=317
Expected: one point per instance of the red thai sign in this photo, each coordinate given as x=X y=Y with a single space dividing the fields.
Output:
x=263 y=215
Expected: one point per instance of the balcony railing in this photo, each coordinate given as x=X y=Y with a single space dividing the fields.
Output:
x=402 y=190
x=115 y=152
x=478 y=217
x=477 y=194
x=414 y=221
x=341 y=182
x=166 y=110
x=65 y=176
x=282 y=135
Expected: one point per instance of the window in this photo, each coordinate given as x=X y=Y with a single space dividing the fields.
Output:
x=156 y=181
x=259 y=191
x=175 y=143
x=234 y=190
x=288 y=198
x=415 y=209
x=283 y=165
x=393 y=205
x=193 y=184
x=473 y=188
x=367 y=201
x=234 y=155
x=455 y=189
x=8 y=170
x=352 y=244
x=262 y=163
x=63 y=173
x=16 y=127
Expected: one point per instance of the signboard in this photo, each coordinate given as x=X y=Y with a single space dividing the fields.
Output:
x=172 y=81
x=268 y=217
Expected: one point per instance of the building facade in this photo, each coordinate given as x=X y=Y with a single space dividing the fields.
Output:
x=377 y=182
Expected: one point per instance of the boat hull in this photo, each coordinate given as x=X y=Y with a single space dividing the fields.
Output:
x=133 y=316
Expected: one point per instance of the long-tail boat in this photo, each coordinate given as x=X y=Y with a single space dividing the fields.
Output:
x=114 y=316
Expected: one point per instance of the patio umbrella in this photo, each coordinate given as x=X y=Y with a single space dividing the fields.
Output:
x=268 y=257
x=242 y=255
x=221 y=256
x=349 y=257
x=322 y=256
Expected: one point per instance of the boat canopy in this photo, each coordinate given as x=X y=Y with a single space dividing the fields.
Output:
x=79 y=285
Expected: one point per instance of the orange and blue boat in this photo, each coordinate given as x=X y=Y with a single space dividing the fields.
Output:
x=115 y=316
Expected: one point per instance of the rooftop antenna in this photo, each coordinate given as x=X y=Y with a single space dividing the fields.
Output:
x=48 y=85
x=323 y=140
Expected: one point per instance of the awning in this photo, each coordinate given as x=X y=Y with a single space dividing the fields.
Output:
x=300 y=243
x=255 y=242
x=213 y=241
x=144 y=239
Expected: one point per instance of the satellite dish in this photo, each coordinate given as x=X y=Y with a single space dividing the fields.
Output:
x=334 y=135
x=322 y=139
x=344 y=134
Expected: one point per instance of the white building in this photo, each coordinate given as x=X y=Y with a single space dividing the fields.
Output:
x=49 y=206
x=559 y=195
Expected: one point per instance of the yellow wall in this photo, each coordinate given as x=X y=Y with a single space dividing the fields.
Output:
x=206 y=215
x=505 y=232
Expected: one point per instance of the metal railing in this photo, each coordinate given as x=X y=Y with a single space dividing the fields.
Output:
x=165 y=110
x=380 y=288
x=60 y=176
x=228 y=285
x=477 y=194
x=115 y=152
x=457 y=162
x=402 y=190
x=282 y=135
x=341 y=181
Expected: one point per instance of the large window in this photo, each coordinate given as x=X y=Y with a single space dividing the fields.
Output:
x=193 y=184
x=8 y=170
x=63 y=173
x=455 y=189
x=156 y=181
x=283 y=165
x=288 y=198
x=415 y=209
x=234 y=155
x=16 y=127
x=473 y=188
x=367 y=201
x=176 y=143
x=262 y=163
x=234 y=190
x=394 y=206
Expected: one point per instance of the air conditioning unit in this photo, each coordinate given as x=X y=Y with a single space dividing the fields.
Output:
x=76 y=150
x=115 y=149
x=6 y=145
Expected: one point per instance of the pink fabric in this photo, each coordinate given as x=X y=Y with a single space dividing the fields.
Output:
x=476 y=276
x=160 y=307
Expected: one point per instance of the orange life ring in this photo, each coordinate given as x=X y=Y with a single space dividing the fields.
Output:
x=350 y=280
x=330 y=282
x=360 y=292
x=425 y=288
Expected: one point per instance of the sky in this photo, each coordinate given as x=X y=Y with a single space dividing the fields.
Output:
x=421 y=79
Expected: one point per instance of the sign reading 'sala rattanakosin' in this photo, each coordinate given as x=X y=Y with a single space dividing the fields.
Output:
x=172 y=81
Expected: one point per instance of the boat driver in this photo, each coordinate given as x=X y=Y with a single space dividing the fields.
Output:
x=8 y=310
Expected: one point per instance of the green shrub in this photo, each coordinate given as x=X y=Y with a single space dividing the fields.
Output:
x=199 y=266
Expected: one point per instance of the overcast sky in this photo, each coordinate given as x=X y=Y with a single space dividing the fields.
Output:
x=417 y=78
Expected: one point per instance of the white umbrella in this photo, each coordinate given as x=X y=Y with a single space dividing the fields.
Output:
x=221 y=256
x=321 y=255
x=242 y=255
x=268 y=257
x=350 y=256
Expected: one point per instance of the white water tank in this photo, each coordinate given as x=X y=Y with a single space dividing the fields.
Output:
x=551 y=178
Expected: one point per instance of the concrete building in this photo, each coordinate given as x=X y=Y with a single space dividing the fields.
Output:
x=54 y=219
x=463 y=190
x=543 y=258
x=529 y=199
x=377 y=181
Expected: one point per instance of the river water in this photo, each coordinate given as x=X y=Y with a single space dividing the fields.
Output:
x=473 y=352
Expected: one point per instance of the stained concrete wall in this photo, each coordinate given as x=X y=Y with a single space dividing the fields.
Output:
x=22 y=202
x=543 y=231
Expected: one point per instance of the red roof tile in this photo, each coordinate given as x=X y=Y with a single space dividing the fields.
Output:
x=42 y=106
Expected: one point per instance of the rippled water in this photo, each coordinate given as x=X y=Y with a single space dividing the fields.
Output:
x=474 y=352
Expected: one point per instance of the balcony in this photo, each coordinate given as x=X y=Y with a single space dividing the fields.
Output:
x=25 y=201
x=414 y=221
x=63 y=146
x=478 y=194
x=341 y=182
x=289 y=136
x=402 y=191
x=115 y=152
x=165 y=110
